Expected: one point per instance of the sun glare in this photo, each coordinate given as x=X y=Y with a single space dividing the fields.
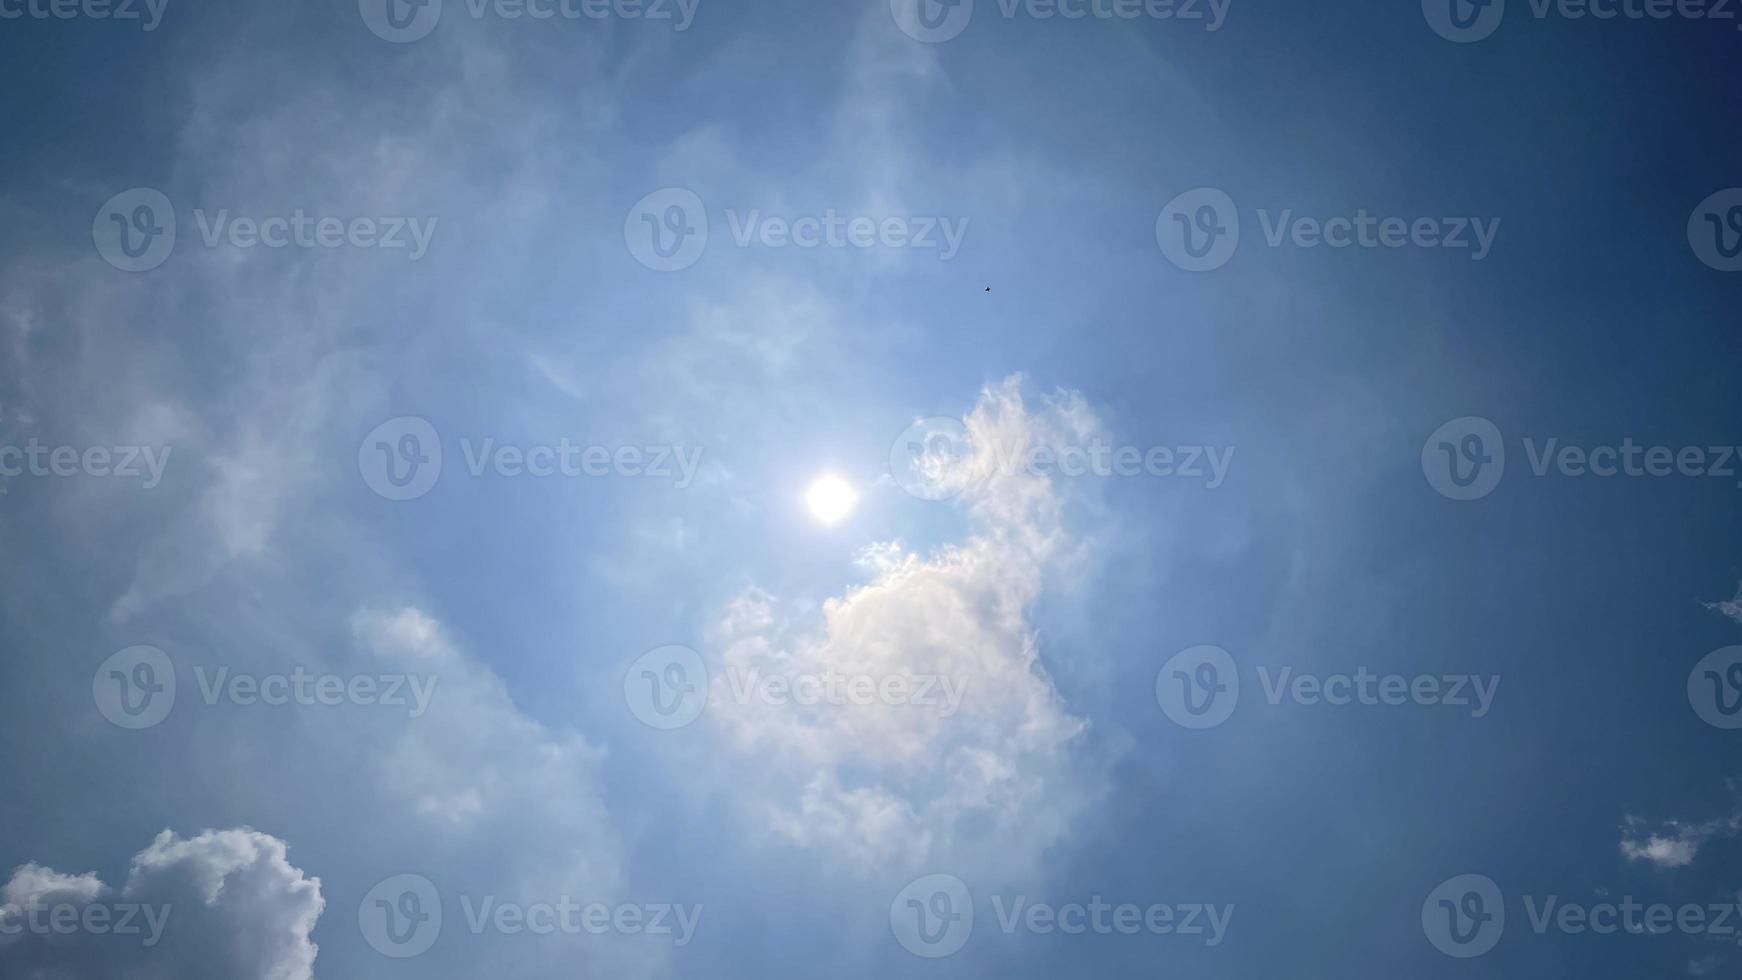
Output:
x=830 y=499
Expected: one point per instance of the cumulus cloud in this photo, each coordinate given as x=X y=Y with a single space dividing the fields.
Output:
x=1675 y=844
x=225 y=905
x=895 y=781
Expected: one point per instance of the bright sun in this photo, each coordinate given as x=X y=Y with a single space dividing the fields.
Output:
x=830 y=499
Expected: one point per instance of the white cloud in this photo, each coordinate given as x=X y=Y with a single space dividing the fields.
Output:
x=895 y=785
x=482 y=777
x=1729 y=607
x=1676 y=844
x=497 y=803
x=225 y=905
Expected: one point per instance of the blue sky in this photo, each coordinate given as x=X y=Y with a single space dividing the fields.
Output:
x=1099 y=471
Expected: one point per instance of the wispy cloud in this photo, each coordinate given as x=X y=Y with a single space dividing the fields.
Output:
x=1729 y=607
x=1705 y=966
x=1675 y=844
